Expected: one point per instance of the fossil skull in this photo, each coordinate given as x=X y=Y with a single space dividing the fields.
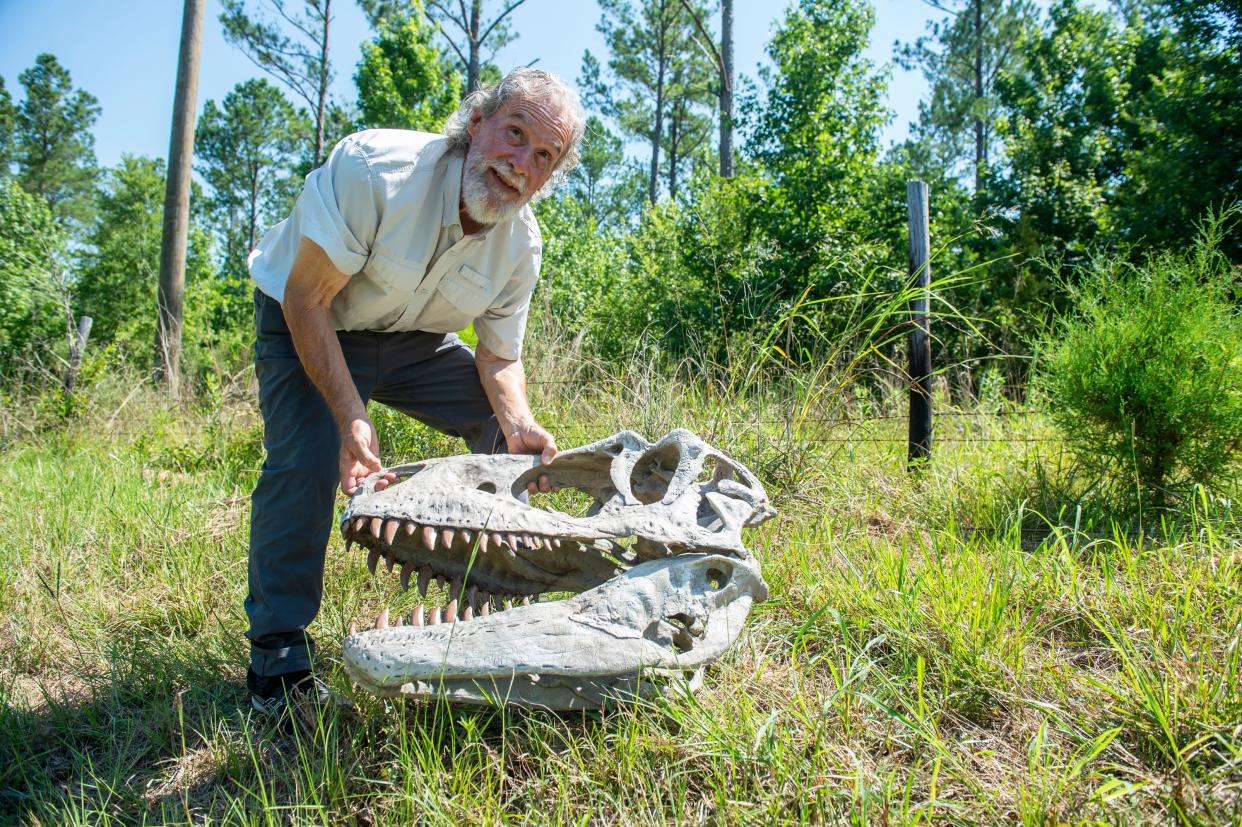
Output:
x=661 y=580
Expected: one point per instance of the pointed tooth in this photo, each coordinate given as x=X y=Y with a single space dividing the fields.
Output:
x=467 y=536
x=483 y=543
x=373 y=556
x=417 y=618
x=377 y=526
x=390 y=557
x=448 y=535
x=390 y=530
x=424 y=578
x=345 y=530
x=472 y=597
x=539 y=542
x=349 y=543
x=410 y=526
x=400 y=621
x=429 y=537
x=528 y=541
x=485 y=607
x=497 y=540
x=507 y=603
x=353 y=629
x=381 y=620
x=467 y=613
x=433 y=617
x=512 y=540
x=556 y=542
x=406 y=569
x=450 y=611
x=526 y=600
x=359 y=524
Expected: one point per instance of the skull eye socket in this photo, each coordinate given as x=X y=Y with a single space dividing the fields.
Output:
x=716 y=578
x=653 y=473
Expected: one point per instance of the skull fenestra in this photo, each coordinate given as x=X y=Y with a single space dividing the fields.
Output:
x=660 y=580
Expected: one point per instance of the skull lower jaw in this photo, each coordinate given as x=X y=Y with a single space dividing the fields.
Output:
x=660 y=620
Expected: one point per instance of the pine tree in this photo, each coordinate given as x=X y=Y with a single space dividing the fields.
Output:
x=54 y=148
x=962 y=59
x=300 y=61
x=247 y=151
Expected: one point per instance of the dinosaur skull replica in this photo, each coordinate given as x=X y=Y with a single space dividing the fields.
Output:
x=662 y=583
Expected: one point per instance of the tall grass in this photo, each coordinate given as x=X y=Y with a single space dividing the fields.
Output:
x=963 y=646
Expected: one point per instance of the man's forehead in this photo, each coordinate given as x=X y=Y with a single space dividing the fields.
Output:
x=546 y=115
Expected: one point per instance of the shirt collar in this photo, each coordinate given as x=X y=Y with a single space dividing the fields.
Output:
x=452 y=191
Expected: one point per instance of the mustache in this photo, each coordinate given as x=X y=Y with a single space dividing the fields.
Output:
x=506 y=173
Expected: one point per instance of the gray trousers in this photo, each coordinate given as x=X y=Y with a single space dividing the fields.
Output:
x=429 y=376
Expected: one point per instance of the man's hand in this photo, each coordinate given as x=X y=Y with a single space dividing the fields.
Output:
x=360 y=456
x=533 y=439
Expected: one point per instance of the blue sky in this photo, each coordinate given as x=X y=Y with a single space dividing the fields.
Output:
x=125 y=53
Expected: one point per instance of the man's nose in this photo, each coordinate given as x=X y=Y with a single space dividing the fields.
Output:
x=520 y=160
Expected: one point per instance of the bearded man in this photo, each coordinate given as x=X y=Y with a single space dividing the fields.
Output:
x=400 y=239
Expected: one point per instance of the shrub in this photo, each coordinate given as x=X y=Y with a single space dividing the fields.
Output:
x=1145 y=376
x=31 y=250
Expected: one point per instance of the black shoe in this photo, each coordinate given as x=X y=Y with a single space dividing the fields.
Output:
x=294 y=699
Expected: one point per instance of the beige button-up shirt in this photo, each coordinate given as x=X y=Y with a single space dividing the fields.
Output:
x=384 y=207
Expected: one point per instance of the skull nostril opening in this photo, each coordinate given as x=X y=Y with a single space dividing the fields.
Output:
x=487 y=487
x=716 y=578
x=685 y=629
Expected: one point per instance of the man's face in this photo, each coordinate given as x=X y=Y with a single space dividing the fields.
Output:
x=512 y=155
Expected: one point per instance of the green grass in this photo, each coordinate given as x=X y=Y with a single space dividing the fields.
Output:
x=967 y=646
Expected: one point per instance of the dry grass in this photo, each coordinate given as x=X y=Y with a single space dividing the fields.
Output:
x=948 y=648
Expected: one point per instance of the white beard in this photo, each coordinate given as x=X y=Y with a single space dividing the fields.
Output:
x=481 y=205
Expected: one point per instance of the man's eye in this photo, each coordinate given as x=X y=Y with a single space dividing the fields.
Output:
x=515 y=132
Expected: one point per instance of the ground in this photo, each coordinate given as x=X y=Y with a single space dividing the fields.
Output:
x=960 y=645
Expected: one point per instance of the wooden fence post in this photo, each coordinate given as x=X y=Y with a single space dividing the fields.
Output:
x=75 y=352
x=918 y=340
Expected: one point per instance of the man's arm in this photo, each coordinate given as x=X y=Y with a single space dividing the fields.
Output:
x=504 y=381
x=313 y=282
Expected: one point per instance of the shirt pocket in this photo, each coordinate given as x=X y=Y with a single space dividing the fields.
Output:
x=467 y=289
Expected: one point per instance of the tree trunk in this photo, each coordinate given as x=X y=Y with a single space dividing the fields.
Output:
x=472 y=67
x=653 y=188
x=322 y=114
x=726 y=89
x=177 y=201
x=674 y=154
x=253 y=217
x=980 y=144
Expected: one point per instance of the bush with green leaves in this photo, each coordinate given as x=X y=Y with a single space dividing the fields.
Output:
x=32 y=247
x=1144 y=377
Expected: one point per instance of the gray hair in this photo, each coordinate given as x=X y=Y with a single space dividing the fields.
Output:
x=522 y=83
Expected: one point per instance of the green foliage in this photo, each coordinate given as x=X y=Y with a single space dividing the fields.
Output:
x=1061 y=128
x=299 y=62
x=404 y=80
x=246 y=149
x=602 y=182
x=663 y=82
x=582 y=270
x=815 y=135
x=32 y=246
x=54 y=148
x=961 y=59
x=1185 y=124
x=119 y=271
x=1145 y=377
x=8 y=123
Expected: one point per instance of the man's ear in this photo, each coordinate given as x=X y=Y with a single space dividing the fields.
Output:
x=472 y=125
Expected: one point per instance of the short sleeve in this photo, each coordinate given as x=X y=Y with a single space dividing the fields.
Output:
x=338 y=208
x=502 y=327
